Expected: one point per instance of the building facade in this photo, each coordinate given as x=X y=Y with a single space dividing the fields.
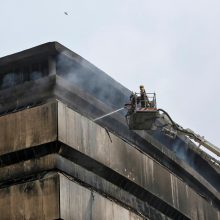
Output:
x=57 y=163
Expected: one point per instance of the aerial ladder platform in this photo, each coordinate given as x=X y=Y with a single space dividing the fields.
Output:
x=142 y=113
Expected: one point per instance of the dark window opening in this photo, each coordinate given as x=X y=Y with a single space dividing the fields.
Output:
x=22 y=74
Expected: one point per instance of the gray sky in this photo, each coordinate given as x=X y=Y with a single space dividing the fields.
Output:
x=170 y=46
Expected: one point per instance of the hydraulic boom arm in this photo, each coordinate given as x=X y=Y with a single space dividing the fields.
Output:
x=193 y=136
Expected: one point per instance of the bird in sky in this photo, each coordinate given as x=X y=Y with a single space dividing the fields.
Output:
x=65 y=13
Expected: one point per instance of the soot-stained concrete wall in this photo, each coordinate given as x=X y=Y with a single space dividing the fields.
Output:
x=37 y=199
x=102 y=153
x=93 y=140
x=55 y=196
x=28 y=128
x=77 y=202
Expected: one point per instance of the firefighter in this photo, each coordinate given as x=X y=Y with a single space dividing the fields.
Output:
x=143 y=99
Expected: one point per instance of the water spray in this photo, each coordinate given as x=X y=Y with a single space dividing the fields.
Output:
x=103 y=116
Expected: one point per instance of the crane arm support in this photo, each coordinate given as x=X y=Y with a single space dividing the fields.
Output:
x=192 y=135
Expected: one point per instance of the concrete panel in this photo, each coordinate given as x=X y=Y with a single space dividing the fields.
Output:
x=75 y=200
x=125 y=159
x=75 y=131
x=92 y=140
x=27 y=128
x=112 y=210
x=148 y=173
x=37 y=199
x=180 y=194
x=162 y=183
x=79 y=203
x=200 y=209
